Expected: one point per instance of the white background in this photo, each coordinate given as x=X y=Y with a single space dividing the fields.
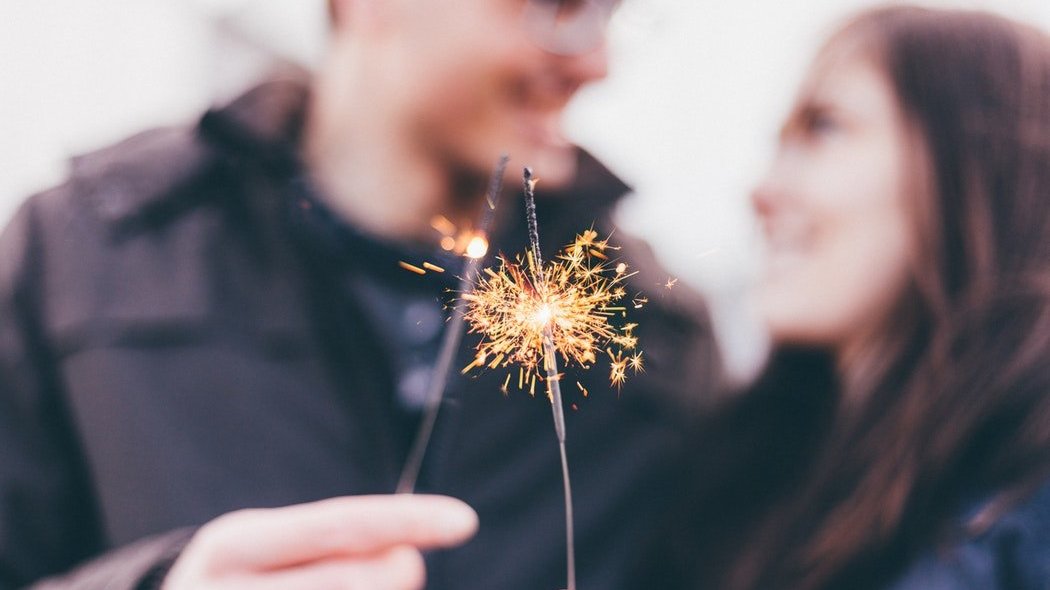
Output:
x=687 y=115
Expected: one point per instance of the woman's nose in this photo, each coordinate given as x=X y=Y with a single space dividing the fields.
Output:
x=774 y=185
x=763 y=196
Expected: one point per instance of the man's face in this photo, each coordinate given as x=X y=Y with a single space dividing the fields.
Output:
x=469 y=80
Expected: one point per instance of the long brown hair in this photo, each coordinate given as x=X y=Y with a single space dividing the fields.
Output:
x=960 y=403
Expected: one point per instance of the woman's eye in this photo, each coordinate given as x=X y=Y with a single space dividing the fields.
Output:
x=812 y=124
x=824 y=124
x=821 y=123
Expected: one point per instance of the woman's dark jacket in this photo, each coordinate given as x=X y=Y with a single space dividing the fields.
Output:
x=750 y=457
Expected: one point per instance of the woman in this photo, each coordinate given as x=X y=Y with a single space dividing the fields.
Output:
x=900 y=437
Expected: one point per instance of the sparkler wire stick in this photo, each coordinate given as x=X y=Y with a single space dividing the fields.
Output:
x=449 y=343
x=550 y=364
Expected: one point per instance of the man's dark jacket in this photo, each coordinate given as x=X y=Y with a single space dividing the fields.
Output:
x=172 y=348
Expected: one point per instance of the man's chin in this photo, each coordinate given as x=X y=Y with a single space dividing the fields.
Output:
x=555 y=167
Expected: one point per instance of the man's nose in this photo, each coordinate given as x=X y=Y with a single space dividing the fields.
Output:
x=569 y=29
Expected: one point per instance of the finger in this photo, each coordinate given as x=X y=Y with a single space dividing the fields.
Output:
x=398 y=568
x=346 y=526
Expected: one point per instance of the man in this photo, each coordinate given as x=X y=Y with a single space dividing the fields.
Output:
x=210 y=319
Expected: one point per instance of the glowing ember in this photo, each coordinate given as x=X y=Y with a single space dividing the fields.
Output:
x=477 y=247
x=543 y=316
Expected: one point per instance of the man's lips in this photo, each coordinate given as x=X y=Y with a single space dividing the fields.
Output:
x=541 y=128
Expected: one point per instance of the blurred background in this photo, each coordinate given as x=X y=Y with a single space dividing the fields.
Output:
x=688 y=115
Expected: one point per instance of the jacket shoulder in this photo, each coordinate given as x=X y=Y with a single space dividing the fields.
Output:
x=1013 y=553
x=155 y=174
x=110 y=189
x=91 y=253
x=104 y=190
x=139 y=175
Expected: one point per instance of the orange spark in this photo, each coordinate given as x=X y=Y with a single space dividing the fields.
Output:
x=411 y=267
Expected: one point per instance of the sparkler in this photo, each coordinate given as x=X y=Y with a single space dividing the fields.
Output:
x=545 y=314
x=475 y=252
x=522 y=304
x=530 y=314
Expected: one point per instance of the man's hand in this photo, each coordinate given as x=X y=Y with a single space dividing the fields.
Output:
x=368 y=542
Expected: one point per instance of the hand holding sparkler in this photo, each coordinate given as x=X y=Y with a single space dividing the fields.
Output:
x=369 y=541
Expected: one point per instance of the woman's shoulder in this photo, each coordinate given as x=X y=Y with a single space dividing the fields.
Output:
x=1013 y=552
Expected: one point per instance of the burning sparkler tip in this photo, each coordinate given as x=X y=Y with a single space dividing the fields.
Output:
x=571 y=300
x=478 y=247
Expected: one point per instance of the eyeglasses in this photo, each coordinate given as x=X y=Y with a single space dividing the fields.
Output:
x=568 y=27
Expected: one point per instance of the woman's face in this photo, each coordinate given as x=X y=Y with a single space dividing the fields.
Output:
x=832 y=209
